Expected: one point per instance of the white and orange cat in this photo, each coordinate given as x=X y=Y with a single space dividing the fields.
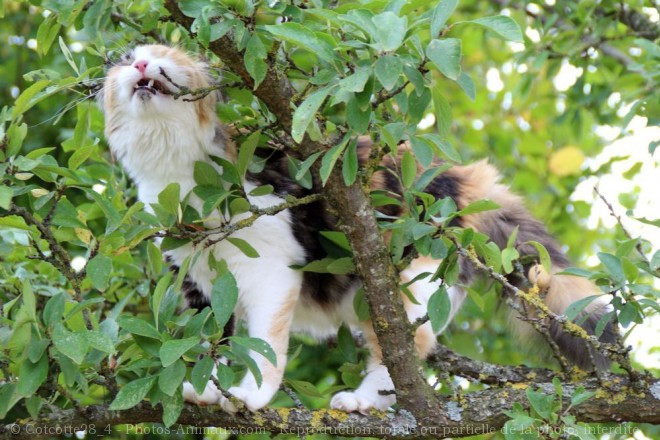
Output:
x=158 y=139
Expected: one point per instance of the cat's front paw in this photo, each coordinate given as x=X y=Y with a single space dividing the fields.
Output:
x=254 y=399
x=210 y=396
x=351 y=401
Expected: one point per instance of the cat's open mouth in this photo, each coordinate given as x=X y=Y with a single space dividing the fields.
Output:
x=150 y=85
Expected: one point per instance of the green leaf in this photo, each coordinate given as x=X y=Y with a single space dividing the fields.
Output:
x=360 y=305
x=98 y=270
x=478 y=206
x=100 y=341
x=205 y=174
x=172 y=350
x=68 y=56
x=655 y=261
x=408 y=169
x=390 y=31
x=72 y=345
x=306 y=165
x=257 y=345
x=573 y=310
x=225 y=376
x=244 y=247
x=346 y=343
x=329 y=160
x=54 y=309
x=509 y=255
x=613 y=265
x=358 y=119
x=26 y=99
x=446 y=55
x=46 y=34
x=29 y=301
x=169 y=198
x=304 y=388
x=302 y=36
x=111 y=214
x=132 y=393
x=392 y=133
x=172 y=409
x=423 y=151
x=67 y=215
x=224 y=296
x=170 y=379
x=356 y=81
x=80 y=156
x=503 y=26
x=339 y=266
x=159 y=294
x=439 y=308
x=246 y=152
x=138 y=326
x=306 y=112
x=443 y=122
x=31 y=375
x=16 y=135
x=541 y=402
x=440 y=15
x=388 y=69
x=350 y=166
x=465 y=81
x=255 y=53
x=262 y=190
x=575 y=271
x=476 y=298
x=6 y=195
x=36 y=349
x=581 y=396
x=201 y=374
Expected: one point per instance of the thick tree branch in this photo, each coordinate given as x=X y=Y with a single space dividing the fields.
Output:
x=473 y=413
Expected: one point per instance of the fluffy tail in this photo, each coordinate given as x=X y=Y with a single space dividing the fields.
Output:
x=481 y=181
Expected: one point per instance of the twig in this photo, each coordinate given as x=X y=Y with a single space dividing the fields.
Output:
x=197 y=94
x=290 y=202
x=618 y=353
x=638 y=245
x=292 y=394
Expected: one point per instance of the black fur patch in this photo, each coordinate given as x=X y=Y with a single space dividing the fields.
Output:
x=306 y=221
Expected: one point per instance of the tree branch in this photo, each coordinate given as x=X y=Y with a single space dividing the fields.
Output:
x=474 y=413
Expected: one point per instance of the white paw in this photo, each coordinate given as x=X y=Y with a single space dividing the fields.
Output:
x=210 y=396
x=254 y=399
x=351 y=401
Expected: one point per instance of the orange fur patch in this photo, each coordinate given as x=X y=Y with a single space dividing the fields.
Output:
x=278 y=334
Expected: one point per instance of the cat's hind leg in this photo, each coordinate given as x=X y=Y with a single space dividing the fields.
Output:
x=376 y=390
x=268 y=313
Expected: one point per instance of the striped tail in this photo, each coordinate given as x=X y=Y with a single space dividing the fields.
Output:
x=481 y=181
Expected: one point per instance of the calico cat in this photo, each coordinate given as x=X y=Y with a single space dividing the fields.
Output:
x=158 y=139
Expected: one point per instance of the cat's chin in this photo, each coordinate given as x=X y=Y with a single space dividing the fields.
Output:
x=144 y=94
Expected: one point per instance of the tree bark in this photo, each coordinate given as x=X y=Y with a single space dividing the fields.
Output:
x=471 y=414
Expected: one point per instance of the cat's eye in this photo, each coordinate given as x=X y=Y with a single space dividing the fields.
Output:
x=128 y=56
x=125 y=58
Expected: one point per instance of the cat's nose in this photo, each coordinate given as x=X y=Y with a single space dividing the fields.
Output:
x=141 y=65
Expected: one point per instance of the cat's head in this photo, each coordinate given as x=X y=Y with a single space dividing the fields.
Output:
x=141 y=86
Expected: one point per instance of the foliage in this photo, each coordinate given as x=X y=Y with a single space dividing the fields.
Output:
x=90 y=312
